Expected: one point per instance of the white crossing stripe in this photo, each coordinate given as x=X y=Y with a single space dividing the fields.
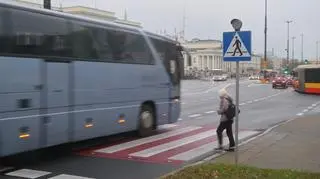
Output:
x=195 y=115
x=317 y=109
x=64 y=176
x=27 y=173
x=191 y=154
x=209 y=112
x=167 y=126
x=138 y=142
x=171 y=145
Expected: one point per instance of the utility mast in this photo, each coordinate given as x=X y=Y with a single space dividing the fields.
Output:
x=184 y=20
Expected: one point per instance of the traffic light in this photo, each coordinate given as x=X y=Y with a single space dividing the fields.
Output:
x=47 y=4
x=306 y=61
x=286 y=70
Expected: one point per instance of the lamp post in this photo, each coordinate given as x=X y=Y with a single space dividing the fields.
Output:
x=317 y=54
x=47 y=4
x=265 y=33
x=302 y=47
x=292 y=60
x=288 y=22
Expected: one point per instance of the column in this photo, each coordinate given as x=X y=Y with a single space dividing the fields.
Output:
x=210 y=62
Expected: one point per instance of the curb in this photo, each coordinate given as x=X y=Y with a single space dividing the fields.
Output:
x=216 y=155
x=203 y=158
x=250 y=139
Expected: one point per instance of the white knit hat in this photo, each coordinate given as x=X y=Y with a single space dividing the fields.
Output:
x=223 y=92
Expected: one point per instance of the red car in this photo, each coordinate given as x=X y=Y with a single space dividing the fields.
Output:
x=280 y=82
x=290 y=82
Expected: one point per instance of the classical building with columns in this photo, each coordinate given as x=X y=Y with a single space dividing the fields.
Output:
x=81 y=11
x=206 y=55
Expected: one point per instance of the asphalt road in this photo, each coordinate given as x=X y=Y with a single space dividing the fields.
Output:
x=174 y=145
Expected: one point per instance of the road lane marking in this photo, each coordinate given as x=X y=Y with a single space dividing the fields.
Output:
x=314 y=105
x=195 y=115
x=174 y=144
x=167 y=126
x=209 y=112
x=300 y=114
x=180 y=119
x=310 y=107
x=241 y=104
x=138 y=142
x=64 y=176
x=27 y=173
x=306 y=110
x=192 y=154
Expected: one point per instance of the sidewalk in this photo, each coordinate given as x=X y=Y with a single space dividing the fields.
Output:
x=294 y=145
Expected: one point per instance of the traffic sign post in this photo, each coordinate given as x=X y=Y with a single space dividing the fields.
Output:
x=236 y=48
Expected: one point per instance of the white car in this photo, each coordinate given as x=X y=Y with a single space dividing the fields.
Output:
x=219 y=78
x=254 y=78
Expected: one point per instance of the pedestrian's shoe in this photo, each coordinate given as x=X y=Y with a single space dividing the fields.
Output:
x=230 y=149
x=220 y=148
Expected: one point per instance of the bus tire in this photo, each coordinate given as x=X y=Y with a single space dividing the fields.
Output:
x=146 y=120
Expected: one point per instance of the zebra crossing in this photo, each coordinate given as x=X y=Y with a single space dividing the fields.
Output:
x=38 y=174
x=178 y=145
x=174 y=144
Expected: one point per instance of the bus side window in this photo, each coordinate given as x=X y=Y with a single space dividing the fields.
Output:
x=38 y=34
x=129 y=47
x=82 y=42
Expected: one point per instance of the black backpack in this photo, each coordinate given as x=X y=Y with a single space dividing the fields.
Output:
x=231 y=111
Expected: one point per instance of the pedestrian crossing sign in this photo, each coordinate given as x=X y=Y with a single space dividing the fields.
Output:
x=237 y=46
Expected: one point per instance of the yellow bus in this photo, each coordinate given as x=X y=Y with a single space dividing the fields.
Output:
x=307 y=79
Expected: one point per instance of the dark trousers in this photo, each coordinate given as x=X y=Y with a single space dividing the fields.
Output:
x=228 y=126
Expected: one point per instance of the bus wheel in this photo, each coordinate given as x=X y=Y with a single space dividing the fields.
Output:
x=146 y=121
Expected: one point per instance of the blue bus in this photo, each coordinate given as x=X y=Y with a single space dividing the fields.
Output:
x=66 y=78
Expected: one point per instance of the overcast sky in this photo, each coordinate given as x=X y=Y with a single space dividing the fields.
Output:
x=209 y=18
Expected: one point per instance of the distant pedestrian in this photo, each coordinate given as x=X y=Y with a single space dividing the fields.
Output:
x=225 y=121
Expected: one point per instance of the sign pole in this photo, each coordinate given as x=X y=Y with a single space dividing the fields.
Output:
x=237 y=113
x=236 y=48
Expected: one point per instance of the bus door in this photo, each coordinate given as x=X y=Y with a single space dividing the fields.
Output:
x=175 y=65
x=56 y=102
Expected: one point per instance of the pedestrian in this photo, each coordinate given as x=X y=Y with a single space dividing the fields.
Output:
x=225 y=123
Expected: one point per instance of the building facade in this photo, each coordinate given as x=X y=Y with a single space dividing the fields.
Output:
x=206 y=55
x=81 y=11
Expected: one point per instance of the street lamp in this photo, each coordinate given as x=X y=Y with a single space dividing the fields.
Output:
x=302 y=47
x=288 y=22
x=293 y=38
x=317 y=56
x=265 y=34
x=47 y=4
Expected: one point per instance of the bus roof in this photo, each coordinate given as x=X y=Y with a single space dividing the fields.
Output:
x=82 y=18
x=308 y=66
